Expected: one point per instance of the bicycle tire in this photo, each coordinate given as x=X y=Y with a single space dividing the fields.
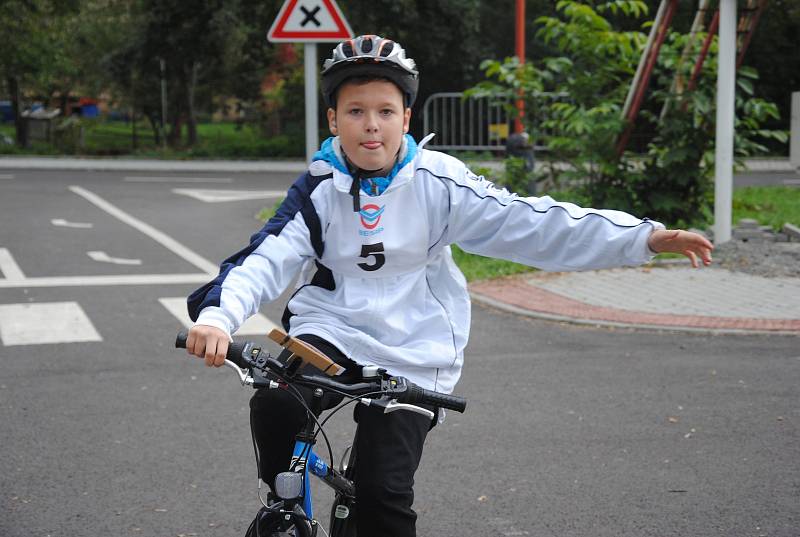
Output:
x=271 y=524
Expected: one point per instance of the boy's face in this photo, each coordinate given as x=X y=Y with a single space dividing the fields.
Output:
x=370 y=120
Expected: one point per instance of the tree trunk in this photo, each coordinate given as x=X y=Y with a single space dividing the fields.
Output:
x=191 y=123
x=22 y=134
x=155 y=124
x=64 y=103
x=174 y=137
x=134 y=132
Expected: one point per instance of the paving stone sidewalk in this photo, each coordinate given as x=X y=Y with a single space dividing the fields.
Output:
x=672 y=297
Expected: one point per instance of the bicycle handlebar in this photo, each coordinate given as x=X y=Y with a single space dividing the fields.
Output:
x=235 y=352
x=397 y=388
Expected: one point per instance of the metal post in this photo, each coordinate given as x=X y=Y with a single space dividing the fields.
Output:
x=520 y=49
x=312 y=123
x=163 y=63
x=794 y=132
x=726 y=94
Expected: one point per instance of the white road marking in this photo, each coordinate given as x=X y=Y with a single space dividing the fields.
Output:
x=217 y=196
x=162 y=238
x=6 y=175
x=178 y=179
x=791 y=181
x=60 y=222
x=103 y=257
x=257 y=325
x=94 y=281
x=47 y=322
x=9 y=267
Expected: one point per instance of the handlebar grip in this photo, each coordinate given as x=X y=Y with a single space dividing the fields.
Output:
x=415 y=394
x=235 y=349
x=180 y=339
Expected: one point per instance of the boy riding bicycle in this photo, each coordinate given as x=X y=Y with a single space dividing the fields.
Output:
x=368 y=230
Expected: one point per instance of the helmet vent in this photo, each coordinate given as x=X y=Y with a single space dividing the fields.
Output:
x=366 y=45
x=347 y=49
x=387 y=48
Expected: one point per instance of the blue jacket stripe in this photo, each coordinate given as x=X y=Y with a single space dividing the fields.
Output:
x=297 y=199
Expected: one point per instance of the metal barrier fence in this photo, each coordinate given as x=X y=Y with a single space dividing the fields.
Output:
x=474 y=123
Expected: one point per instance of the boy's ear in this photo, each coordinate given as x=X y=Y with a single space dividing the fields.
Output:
x=406 y=120
x=332 y=121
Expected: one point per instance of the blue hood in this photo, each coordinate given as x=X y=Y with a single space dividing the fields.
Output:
x=331 y=152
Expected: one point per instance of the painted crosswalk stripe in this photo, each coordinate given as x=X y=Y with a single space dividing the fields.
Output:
x=9 y=267
x=257 y=325
x=45 y=322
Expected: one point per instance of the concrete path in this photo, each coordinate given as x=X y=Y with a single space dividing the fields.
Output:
x=671 y=297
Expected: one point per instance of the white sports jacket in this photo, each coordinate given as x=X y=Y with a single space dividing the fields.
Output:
x=380 y=284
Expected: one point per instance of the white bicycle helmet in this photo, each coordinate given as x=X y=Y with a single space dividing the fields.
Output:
x=369 y=55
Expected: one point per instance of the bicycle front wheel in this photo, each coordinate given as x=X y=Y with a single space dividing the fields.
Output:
x=274 y=524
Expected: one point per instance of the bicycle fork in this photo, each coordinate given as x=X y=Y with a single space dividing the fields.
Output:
x=294 y=485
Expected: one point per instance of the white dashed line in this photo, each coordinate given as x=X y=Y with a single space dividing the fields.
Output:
x=216 y=196
x=60 y=222
x=103 y=257
x=178 y=179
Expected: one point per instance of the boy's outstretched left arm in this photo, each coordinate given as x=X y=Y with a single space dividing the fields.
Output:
x=678 y=241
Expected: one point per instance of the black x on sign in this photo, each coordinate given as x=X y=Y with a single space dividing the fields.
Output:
x=309 y=21
x=310 y=16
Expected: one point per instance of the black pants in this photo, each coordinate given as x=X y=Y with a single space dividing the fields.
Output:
x=388 y=447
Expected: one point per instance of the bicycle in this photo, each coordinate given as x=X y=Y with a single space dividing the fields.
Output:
x=289 y=511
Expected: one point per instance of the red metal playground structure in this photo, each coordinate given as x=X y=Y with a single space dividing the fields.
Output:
x=746 y=26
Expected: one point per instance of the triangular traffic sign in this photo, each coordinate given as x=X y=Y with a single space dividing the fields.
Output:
x=309 y=21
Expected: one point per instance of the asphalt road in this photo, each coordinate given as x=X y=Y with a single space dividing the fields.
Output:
x=569 y=430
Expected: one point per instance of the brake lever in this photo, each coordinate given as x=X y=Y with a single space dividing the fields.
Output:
x=244 y=376
x=391 y=405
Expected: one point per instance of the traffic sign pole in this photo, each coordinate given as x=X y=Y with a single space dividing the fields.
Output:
x=312 y=122
x=310 y=22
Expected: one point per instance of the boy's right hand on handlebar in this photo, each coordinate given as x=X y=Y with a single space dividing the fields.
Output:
x=208 y=342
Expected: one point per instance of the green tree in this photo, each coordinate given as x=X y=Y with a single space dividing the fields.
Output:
x=29 y=31
x=198 y=43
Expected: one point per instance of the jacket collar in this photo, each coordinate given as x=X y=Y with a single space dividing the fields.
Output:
x=402 y=172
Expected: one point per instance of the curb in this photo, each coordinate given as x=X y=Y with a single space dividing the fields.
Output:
x=85 y=164
x=285 y=166
x=775 y=165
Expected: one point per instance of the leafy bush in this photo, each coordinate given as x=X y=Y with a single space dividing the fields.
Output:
x=581 y=126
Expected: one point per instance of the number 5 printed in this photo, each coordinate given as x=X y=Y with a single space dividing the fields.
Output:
x=372 y=250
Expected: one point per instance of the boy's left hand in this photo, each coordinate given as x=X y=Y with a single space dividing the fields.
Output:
x=678 y=241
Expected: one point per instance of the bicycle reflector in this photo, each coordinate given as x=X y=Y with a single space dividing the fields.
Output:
x=289 y=485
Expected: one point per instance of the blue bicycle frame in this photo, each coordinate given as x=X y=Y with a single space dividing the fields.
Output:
x=304 y=460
